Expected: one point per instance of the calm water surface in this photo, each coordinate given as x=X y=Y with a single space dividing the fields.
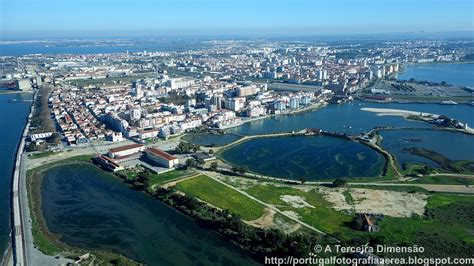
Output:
x=348 y=118
x=453 y=145
x=311 y=157
x=12 y=121
x=92 y=209
x=456 y=74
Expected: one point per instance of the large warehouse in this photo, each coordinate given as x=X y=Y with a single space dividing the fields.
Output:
x=126 y=150
x=162 y=158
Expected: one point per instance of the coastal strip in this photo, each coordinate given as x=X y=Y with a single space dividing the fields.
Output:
x=18 y=228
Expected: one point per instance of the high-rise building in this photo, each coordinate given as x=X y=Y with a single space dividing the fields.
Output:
x=294 y=103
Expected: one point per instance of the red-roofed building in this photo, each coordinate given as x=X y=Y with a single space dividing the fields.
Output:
x=126 y=150
x=162 y=158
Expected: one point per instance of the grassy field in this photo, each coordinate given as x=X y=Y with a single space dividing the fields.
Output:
x=409 y=189
x=445 y=228
x=322 y=216
x=40 y=155
x=444 y=180
x=215 y=193
x=161 y=179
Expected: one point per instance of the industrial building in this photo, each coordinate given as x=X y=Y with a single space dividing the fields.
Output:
x=162 y=158
x=126 y=150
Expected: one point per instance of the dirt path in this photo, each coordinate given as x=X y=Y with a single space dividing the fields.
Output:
x=265 y=221
x=212 y=175
x=173 y=183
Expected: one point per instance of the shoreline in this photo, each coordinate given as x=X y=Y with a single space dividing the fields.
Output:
x=310 y=108
x=17 y=187
x=34 y=184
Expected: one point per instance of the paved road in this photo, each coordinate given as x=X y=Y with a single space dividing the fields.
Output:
x=24 y=251
x=34 y=256
x=94 y=149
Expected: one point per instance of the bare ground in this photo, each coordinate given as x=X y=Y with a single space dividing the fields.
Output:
x=265 y=221
x=391 y=203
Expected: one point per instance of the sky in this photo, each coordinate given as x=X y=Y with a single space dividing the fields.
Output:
x=89 y=18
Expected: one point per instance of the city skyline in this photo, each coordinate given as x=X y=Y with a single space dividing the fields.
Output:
x=211 y=17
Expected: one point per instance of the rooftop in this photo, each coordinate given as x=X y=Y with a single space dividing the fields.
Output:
x=126 y=147
x=161 y=153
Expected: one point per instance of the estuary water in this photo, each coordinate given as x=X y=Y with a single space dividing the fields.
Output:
x=455 y=74
x=305 y=158
x=347 y=118
x=89 y=208
x=453 y=145
x=12 y=121
x=350 y=118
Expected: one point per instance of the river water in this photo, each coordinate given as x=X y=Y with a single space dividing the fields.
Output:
x=12 y=121
x=456 y=74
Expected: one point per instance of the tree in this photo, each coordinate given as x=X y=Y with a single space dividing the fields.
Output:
x=195 y=148
x=340 y=182
x=55 y=139
x=200 y=161
x=214 y=166
x=190 y=163
x=239 y=169
x=211 y=151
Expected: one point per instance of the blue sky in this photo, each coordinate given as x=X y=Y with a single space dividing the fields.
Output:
x=49 y=18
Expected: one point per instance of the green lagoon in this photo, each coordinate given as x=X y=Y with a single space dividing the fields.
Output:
x=308 y=157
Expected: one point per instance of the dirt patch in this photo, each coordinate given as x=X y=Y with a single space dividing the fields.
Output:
x=391 y=203
x=295 y=201
x=265 y=221
x=336 y=197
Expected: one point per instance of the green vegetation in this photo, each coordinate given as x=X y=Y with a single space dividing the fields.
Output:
x=41 y=119
x=143 y=178
x=322 y=216
x=459 y=167
x=217 y=194
x=409 y=189
x=214 y=166
x=40 y=155
x=160 y=179
x=443 y=180
x=260 y=242
x=194 y=163
x=444 y=230
x=236 y=169
x=186 y=147
x=348 y=197
x=339 y=182
x=410 y=169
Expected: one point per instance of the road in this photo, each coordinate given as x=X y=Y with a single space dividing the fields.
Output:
x=23 y=248
x=96 y=148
